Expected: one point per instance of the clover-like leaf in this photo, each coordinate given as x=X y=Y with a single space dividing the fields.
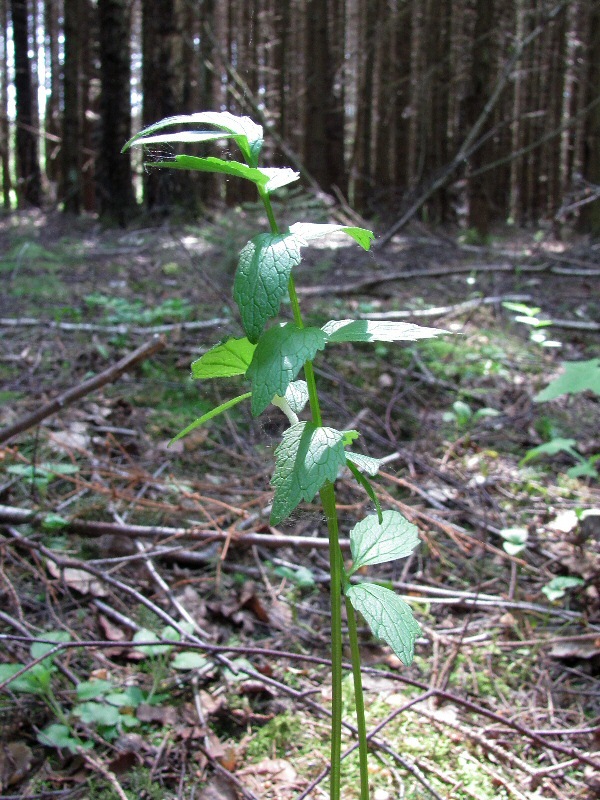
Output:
x=230 y=358
x=261 y=279
x=278 y=358
x=375 y=542
x=371 y=330
x=388 y=616
x=307 y=457
x=247 y=134
x=307 y=231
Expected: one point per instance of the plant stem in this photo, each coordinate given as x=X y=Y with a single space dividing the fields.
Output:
x=328 y=500
x=360 y=703
x=327 y=495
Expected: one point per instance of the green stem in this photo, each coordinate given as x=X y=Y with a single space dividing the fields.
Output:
x=328 y=500
x=327 y=495
x=360 y=703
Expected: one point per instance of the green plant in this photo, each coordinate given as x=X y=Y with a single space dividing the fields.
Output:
x=576 y=377
x=463 y=416
x=310 y=454
x=99 y=704
x=528 y=315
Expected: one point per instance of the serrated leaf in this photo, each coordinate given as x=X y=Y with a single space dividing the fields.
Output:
x=388 y=617
x=247 y=134
x=307 y=457
x=296 y=396
x=364 y=463
x=371 y=330
x=363 y=481
x=262 y=277
x=375 y=542
x=307 y=231
x=279 y=356
x=214 y=412
x=229 y=358
x=578 y=376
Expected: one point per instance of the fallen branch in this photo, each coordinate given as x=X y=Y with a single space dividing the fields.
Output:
x=11 y=515
x=402 y=275
x=121 y=328
x=109 y=375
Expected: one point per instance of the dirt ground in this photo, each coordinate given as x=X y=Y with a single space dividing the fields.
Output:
x=505 y=682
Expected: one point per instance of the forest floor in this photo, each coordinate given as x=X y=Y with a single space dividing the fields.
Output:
x=110 y=539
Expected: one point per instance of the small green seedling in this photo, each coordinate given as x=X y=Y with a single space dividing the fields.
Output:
x=557 y=588
x=528 y=315
x=515 y=540
x=99 y=704
x=463 y=416
x=269 y=359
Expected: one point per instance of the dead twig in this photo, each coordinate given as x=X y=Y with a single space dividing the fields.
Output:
x=109 y=375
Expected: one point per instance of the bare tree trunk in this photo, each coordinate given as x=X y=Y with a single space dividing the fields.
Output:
x=115 y=188
x=590 y=218
x=479 y=192
x=29 y=179
x=71 y=139
x=164 y=190
x=4 y=126
x=323 y=121
x=52 y=142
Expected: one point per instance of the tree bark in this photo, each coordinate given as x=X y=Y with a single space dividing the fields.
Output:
x=52 y=143
x=29 y=178
x=71 y=139
x=590 y=218
x=115 y=187
x=324 y=116
x=4 y=127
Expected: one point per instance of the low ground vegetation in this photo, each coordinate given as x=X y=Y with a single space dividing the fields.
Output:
x=501 y=698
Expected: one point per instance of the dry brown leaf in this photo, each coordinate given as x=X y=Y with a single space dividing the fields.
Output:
x=112 y=633
x=15 y=763
x=164 y=715
x=218 y=788
x=77 y=579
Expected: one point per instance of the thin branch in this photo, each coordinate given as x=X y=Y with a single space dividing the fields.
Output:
x=109 y=375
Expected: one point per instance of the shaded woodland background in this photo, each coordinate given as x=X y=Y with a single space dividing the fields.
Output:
x=472 y=111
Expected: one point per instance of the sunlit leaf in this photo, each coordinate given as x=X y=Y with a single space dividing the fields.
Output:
x=307 y=457
x=375 y=542
x=388 y=616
